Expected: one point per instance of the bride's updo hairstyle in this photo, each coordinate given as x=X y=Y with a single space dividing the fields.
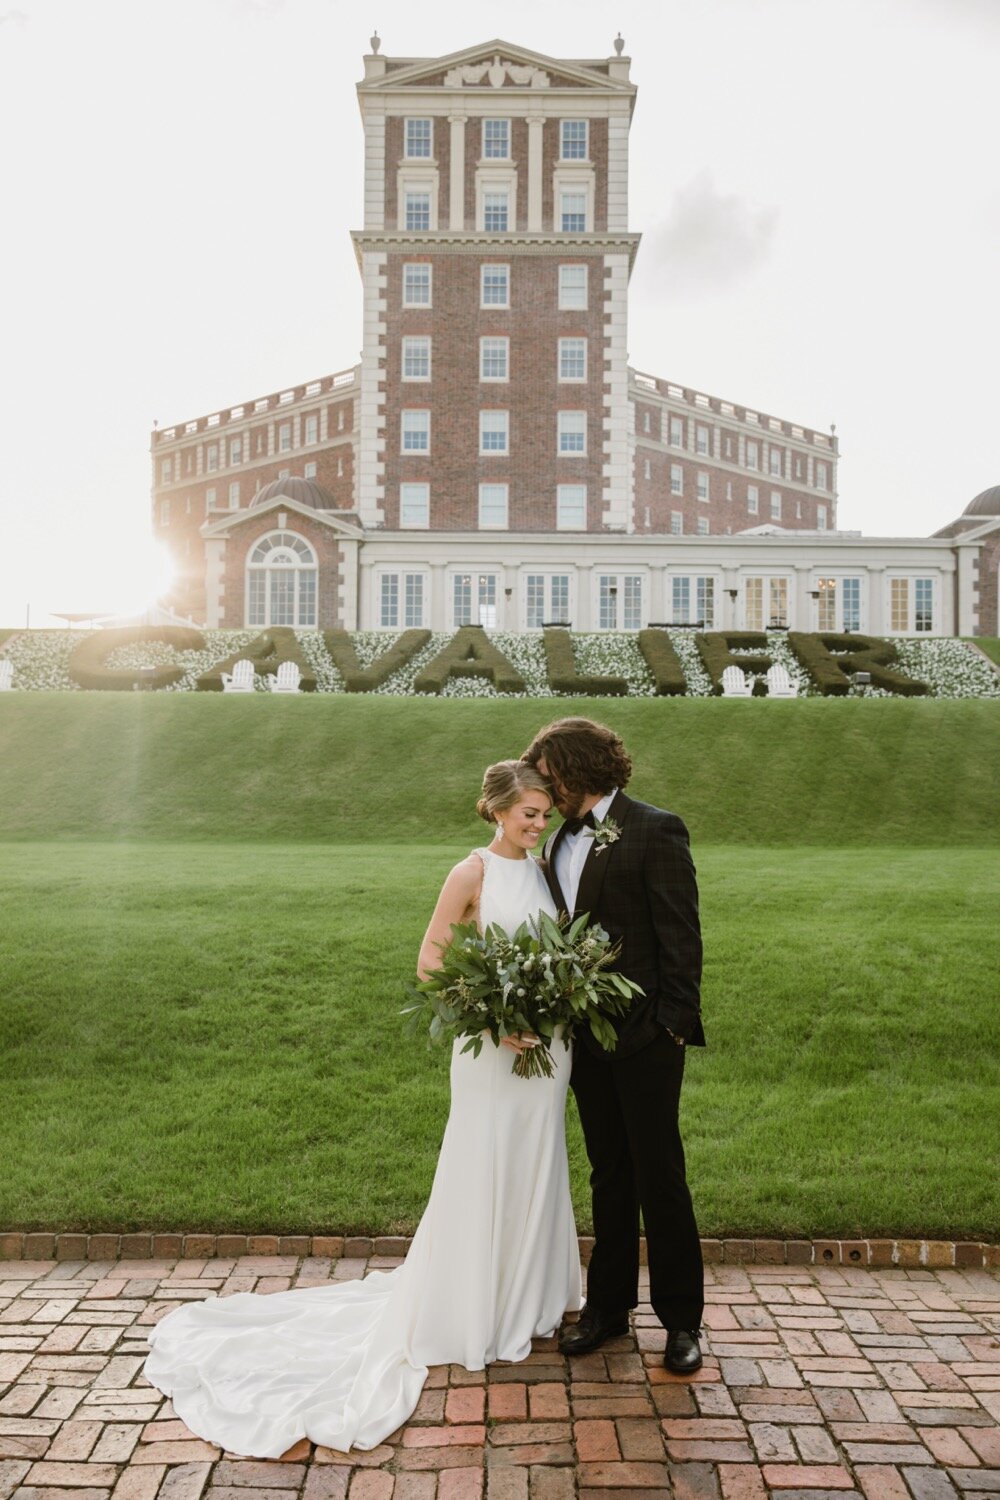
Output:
x=506 y=783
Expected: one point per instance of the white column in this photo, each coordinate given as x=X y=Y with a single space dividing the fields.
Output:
x=965 y=581
x=877 y=603
x=799 y=614
x=618 y=468
x=456 y=180
x=536 y=125
x=347 y=592
x=439 y=597
x=584 y=586
x=370 y=478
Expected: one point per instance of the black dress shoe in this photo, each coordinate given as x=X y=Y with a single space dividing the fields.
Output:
x=593 y=1330
x=683 y=1352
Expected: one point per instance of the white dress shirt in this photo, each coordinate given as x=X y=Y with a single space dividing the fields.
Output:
x=571 y=856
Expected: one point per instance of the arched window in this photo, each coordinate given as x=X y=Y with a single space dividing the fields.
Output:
x=281 y=581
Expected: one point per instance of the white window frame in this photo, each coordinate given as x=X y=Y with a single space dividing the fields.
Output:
x=775 y=473
x=285 y=540
x=486 y=270
x=768 y=581
x=415 y=182
x=675 y=432
x=496 y=202
x=819 y=584
x=310 y=428
x=775 y=511
x=563 y=348
x=414 y=507
x=482 y=582
x=677 y=479
x=234 y=495
x=704 y=526
x=577 y=209
x=235 y=451
x=702 y=440
x=676 y=523
x=488 y=120
x=911 y=580
x=496 y=180
x=284 y=435
x=753 y=500
x=493 y=343
x=697 y=586
x=575 y=155
x=752 y=456
x=703 y=486
x=552 y=607
x=571 y=425
x=821 y=518
x=409 y=346
x=491 y=495
x=414 y=423
x=621 y=581
x=309 y=471
x=401 y=575
x=489 y=422
x=427 y=155
x=574 y=298
x=572 y=177
x=426 y=269
x=211 y=458
x=571 y=507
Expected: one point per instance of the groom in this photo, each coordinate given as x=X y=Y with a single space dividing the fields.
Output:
x=629 y=865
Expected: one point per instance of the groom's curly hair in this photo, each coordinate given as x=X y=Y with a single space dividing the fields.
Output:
x=584 y=756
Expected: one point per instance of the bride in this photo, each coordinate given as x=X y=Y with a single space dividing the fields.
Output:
x=493 y=1263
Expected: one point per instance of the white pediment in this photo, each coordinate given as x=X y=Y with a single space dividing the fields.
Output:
x=495 y=65
x=498 y=72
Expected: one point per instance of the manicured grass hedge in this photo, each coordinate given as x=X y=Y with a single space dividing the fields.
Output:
x=562 y=672
x=267 y=652
x=470 y=653
x=859 y=653
x=358 y=679
x=348 y=767
x=663 y=661
x=716 y=651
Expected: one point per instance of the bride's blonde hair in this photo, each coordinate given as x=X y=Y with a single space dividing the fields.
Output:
x=505 y=783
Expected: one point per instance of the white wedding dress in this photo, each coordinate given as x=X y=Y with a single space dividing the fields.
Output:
x=494 y=1262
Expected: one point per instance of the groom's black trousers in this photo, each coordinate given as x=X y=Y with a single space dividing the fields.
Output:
x=628 y=1108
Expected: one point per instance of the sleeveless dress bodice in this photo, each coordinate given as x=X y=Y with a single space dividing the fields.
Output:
x=494 y=1262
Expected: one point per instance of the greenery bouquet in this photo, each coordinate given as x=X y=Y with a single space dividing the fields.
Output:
x=548 y=974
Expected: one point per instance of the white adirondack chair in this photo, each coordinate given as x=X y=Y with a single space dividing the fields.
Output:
x=287 y=680
x=736 y=684
x=6 y=674
x=240 y=679
x=779 y=683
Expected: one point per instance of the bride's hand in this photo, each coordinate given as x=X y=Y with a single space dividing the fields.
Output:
x=521 y=1042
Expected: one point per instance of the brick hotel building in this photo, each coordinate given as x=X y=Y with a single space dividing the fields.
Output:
x=493 y=458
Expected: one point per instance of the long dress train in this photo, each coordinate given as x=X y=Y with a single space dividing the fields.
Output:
x=493 y=1263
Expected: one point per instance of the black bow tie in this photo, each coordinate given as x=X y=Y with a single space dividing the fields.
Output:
x=573 y=825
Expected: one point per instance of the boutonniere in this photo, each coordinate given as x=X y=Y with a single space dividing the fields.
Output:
x=606 y=833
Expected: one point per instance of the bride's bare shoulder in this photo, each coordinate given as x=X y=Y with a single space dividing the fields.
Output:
x=467 y=876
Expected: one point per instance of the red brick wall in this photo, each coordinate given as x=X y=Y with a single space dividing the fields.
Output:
x=241 y=543
x=532 y=396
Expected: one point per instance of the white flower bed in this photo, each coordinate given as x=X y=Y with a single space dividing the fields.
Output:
x=949 y=667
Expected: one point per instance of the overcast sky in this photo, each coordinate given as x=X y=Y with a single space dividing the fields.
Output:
x=816 y=181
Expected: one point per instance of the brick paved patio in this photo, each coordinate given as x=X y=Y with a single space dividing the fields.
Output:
x=819 y=1382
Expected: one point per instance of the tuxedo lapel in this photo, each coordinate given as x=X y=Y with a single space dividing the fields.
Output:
x=599 y=860
x=550 y=868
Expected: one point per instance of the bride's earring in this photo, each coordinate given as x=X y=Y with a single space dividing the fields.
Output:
x=499 y=833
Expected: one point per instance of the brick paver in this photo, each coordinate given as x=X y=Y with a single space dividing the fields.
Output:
x=829 y=1381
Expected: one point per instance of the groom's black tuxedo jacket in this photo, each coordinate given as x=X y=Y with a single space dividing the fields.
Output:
x=642 y=889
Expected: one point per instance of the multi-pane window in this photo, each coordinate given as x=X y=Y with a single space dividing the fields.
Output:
x=703 y=490
x=492 y=507
x=571 y=507
x=416 y=431
x=677 y=432
x=212 y=457
x=775 y=505
x=821 y=518
x=774 y=461
x=698 y=592
x=573 y=213
x=822 y=479
x=495 y=212
x=627 y=588
x=312 y=428
x=166 y=471
x=753 y=500
x=572 y=430
x=494 y=286
x=546 y=597
x=417 y=358
x=414 y=505
x=765 y=602
x=417 y=284
x=851 y=603
x=677 y=523
x=401 y=600
x=418 y=138
x=235 y=451
x=496 y=140
x=494 y=432
x=494 y=358
x=923 y=610
x=573 y=140
x=417 y=210
x=474 y=599
x=703 y=526
x=285 y=437
x=309 y=472
x=826 y=604
x=210 y=498
x=572 y=287
x=572 y=359
x=753 y=455
x=701 y=439
x=234 y=495
x=281 y=581
x=899 y=604
x=676 y=479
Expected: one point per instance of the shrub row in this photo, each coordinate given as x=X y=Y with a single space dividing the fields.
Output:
x=359 y=679
x=88 y=666
x=266 y=651
x=854 y=653
x=663 y=662
x=469 y=653
x=716 y=651
x=560 y=666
